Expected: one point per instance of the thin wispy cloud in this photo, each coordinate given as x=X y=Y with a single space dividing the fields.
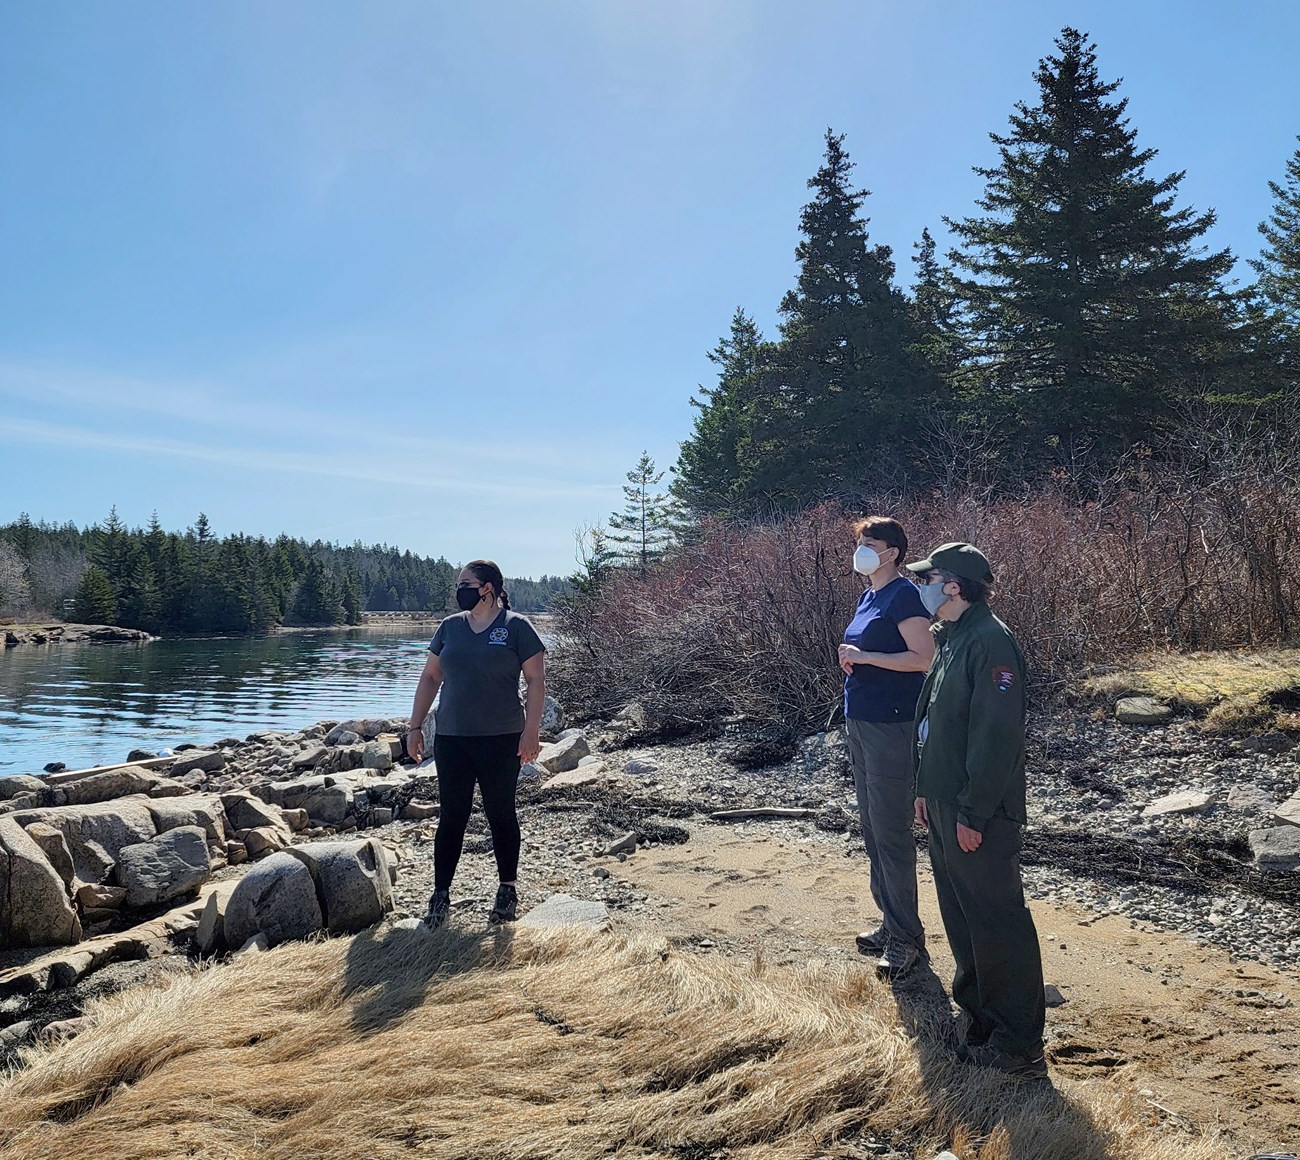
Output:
x=398 y=471
x=222 y=408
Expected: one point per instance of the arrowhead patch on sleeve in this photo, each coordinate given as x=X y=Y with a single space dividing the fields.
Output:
x=1004 y=678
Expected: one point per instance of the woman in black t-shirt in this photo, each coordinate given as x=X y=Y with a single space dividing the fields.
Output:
x=482 y=733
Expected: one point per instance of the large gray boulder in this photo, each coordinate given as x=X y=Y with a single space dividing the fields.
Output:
x=564 y=754
x=203 y=810
x=113 y=784
x=277 y=898
x=172 y=864
x=55 y=848
x=552 y=716
x=97 y=833
x=1276 y=849
x=326 y=798
x=353 y=882
x=377 y=755
x=18 y=785
x=35 y=910
x=246 y=812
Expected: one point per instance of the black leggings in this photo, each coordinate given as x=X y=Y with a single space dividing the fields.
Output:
x=494 y=763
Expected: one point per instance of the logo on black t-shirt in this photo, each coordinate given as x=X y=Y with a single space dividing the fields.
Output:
x=498 y=636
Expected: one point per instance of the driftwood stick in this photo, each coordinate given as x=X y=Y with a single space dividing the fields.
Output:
x=763 y=812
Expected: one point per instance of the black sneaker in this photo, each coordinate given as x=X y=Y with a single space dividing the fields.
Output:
x=439 y=906
x=1021 y=1067
x=898 y=960
x=872 y=942
x=503 y=909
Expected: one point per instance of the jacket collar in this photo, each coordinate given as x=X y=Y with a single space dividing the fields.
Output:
x=976 y=613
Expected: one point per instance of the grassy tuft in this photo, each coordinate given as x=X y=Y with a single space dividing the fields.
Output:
x=553 y=1046
x=1233 y=692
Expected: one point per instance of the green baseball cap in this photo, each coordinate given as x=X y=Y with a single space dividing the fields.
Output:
x=959 y=559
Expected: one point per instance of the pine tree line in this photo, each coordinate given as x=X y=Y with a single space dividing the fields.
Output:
x=193 y=582
x=1078 y=315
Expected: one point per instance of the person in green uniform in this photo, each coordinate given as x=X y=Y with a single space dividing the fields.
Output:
x=969 y=750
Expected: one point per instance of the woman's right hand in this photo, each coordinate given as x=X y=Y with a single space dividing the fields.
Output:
x=415 y=745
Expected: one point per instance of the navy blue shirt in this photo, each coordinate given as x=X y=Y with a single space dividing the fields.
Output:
x=872 y=693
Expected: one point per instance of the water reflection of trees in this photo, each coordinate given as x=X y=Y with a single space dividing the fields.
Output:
x=193 y=687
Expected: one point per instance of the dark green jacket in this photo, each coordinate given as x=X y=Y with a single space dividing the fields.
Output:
x=973 y=706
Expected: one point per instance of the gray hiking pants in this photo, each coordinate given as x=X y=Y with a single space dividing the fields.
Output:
x=881 y=753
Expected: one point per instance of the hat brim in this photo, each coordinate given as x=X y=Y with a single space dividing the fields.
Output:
x=920 y=566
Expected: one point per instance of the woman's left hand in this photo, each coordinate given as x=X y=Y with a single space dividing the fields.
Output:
x=850 y=656
x=530 y=745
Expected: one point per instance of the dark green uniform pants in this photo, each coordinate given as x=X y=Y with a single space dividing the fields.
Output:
x=999 y=979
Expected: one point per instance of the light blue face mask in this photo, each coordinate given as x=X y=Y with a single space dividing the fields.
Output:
x=933 y=596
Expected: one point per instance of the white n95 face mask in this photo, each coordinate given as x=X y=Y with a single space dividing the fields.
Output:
x=865 y=560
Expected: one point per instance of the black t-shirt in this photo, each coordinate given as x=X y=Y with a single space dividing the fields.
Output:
x=480 y=674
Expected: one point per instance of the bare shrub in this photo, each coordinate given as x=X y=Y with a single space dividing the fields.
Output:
x=1158 y=555
x=559 y=1046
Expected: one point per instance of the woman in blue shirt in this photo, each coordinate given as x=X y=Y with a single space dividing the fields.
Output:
x=886 y=651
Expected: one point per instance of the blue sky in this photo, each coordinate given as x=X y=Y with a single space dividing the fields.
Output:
x=434 y=274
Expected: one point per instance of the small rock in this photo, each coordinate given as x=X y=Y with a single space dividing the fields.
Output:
x=639 y=766
x=1052 y=996
x=1250 y=799
x=1187 y=801
x=140 y=755
x=254 y=945
x=1289 y=811
x=297 y=820
x=377 y=755
x=55 y=767
x=206 y=760
x=381 y=816
x=1142 y=711
x=103 y=897
x=264 y=840
x=415 y=811
x=565 y=754
x=601 y=872
x=564 y=910
x=624 y=845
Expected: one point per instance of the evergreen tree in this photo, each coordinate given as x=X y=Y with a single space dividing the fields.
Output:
x=643 y=530
x=1092 y=307
x=139 y=602
x=841 y=394
x=94 y=601
x=935 y=309
x=1278 y=264
x=318 y=600
x=708 y=474
x=351 y=598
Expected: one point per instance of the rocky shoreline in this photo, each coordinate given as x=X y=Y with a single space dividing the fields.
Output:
x=137 y=860
x=16 y=634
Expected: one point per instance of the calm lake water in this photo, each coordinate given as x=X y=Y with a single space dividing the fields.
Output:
x=91 y=704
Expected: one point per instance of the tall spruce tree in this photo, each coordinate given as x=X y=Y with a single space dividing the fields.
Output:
x=94 y=601
x=840 y=395
x=709 y=473
x=643 y=530
x=1278 y=264
x=1092 y=307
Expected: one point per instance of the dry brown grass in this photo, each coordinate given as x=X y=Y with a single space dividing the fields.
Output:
x=1237 y=692
x=564 y=1045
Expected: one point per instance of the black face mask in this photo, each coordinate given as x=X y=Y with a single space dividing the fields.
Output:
x=467 y=598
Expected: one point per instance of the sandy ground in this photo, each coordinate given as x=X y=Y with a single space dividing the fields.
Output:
x=1209 y=1042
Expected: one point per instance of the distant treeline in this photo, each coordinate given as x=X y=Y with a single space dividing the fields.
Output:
x=193 y=582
